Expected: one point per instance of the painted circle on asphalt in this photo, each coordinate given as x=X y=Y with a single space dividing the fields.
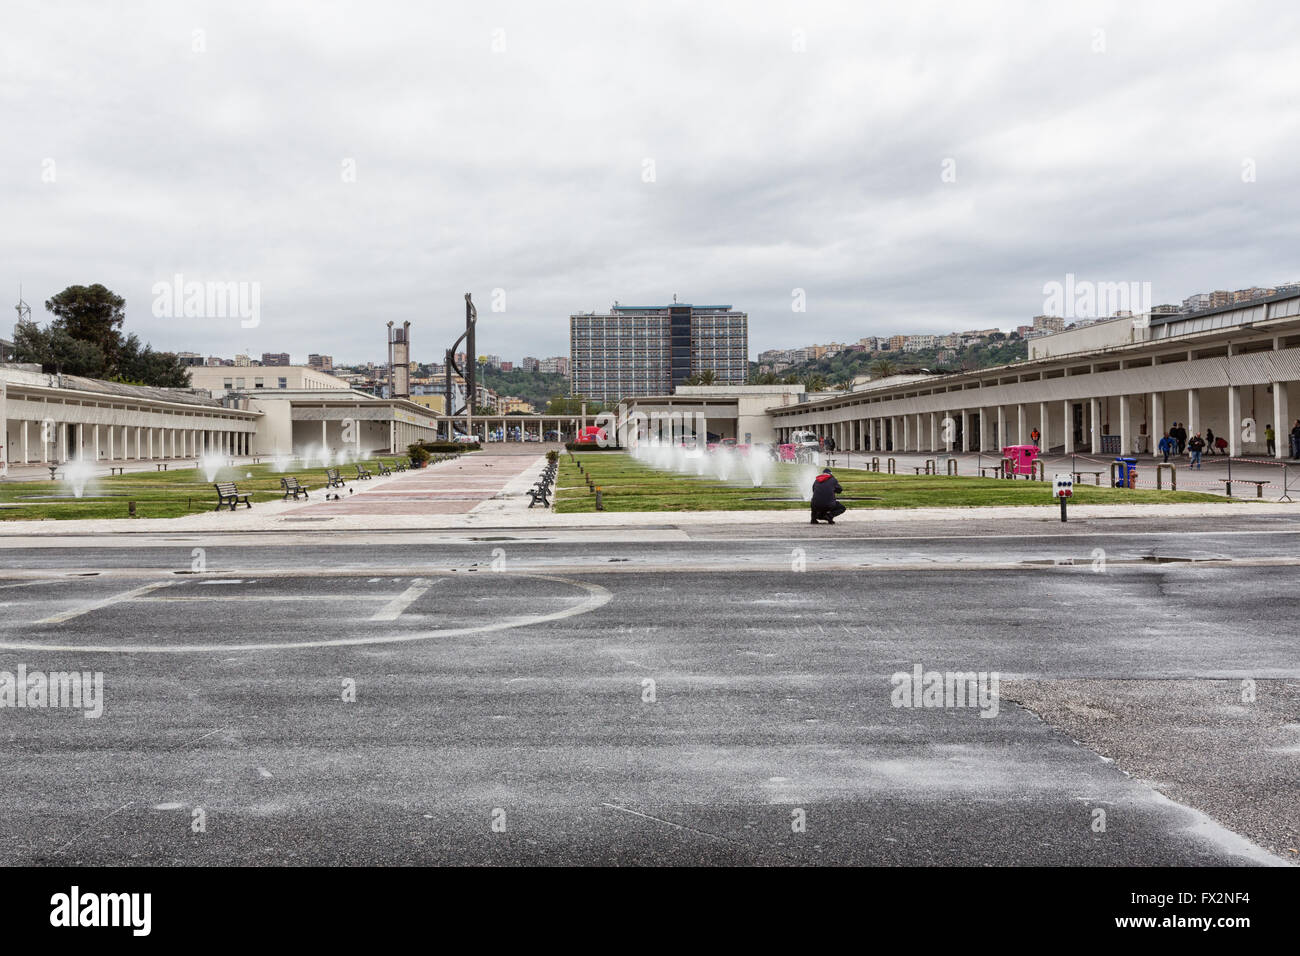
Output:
x=593 y=596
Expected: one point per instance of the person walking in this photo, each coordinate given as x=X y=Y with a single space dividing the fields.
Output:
x=825 y=507
x=1180 y=436
x=1270 y=440
x=1209 y=440
x=1295 y=439
x=830 y=443
x=1167 y=444
x=1034 y=436
x=1194 y=448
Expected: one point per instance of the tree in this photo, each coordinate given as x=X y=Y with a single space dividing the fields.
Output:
x=883 y=368
x=844 y=383
x=57 y=351
x=764 y=378
x=816 y=382
x=139 y=365
x=91 y=313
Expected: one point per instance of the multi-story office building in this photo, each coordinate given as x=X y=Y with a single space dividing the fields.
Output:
x=323 y=363
x=650 y=350
x=275 y=358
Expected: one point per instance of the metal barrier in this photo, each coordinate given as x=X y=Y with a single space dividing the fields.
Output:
x=893 y=466
x=1006 y=468
x=931 y=467
x=952 y=466
x=1115 y=466
x=1038 y=464
x=1173 y=475
x=875 y=464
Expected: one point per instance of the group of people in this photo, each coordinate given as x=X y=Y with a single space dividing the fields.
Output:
x=1175 y=442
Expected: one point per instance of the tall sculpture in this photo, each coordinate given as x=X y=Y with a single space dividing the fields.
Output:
x=467 y=374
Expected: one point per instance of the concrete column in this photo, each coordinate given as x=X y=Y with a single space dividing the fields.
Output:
x=96 y=442
x=1094 y=425
x=986 y=429
x=907 y=436
x=1001 y=441
x=151 y=443
x=1281 y=423
x=934 y=432
x=1067 y=423
x=1193 y=411
x=1125 y=426
x=1234 y=420
x=1043 y=416
x=112 y=444
x=323 y=433
x=24 y=441
x=965 y=429
x=1158 y=424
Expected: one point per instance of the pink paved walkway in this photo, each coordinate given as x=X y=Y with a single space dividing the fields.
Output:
x=452 y=487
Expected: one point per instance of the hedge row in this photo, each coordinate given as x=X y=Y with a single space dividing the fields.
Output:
x=575 y=446
x=447 y=447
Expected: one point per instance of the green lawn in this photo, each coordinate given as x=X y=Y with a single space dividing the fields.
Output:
x=166 y=494
x=628 y=485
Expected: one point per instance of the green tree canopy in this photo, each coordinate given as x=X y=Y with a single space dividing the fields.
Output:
x=91 y=313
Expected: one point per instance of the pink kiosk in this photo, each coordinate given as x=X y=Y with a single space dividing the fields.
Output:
x=1022 y=458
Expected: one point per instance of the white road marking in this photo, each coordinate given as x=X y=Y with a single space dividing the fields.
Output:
x=106 y=602
x=183 y=599
x=595 y=597
x=394 y=608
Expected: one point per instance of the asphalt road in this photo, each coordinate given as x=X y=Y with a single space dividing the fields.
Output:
x=688 y=697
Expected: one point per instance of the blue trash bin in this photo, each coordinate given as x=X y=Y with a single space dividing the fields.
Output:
x=1126 y=473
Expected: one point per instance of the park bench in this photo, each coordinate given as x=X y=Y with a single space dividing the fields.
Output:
x=399 y=465
x=332 y=479
x=996 y=469
x=384 y=469
x=1096 y=476
x=116 y=470
x=227 y=492
x=539 y=493
x=291 y=487
x=161 y=466
x=830 y=462
x=363 y=474
x=1259 y=485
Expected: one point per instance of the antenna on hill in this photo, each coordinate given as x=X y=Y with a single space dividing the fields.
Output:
x=24 y=310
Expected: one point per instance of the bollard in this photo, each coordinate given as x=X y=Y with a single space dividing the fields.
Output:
x=875 y=464
x=130 y=509
x=1039 y=465
x=952 y=466
x=1006 y=469
x=600 y=501
x=893 y=465
x=1173 y=475
x=931 y=467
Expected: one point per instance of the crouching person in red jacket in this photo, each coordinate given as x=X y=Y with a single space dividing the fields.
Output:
x=824 y=505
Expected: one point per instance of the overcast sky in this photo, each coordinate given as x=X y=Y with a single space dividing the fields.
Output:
x=369 y=161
